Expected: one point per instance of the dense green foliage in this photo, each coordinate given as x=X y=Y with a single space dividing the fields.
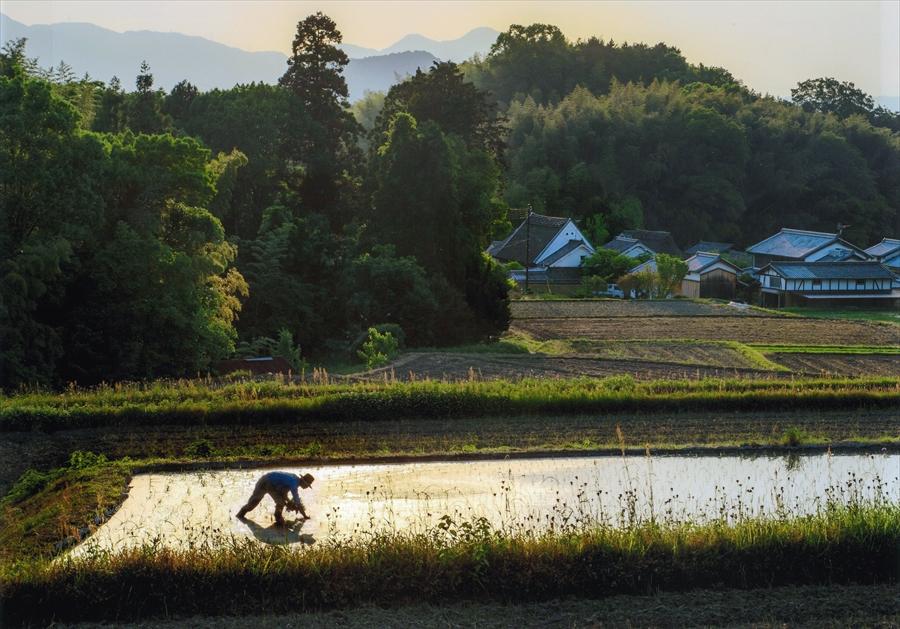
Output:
x=843 y=543
x=119 y=248
x=704 y=162
x=596 y=127
x=111 y=265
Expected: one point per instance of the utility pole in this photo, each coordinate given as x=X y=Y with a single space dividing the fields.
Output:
x=527 y=245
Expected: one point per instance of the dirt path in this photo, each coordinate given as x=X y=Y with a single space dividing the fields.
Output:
x=457 y=366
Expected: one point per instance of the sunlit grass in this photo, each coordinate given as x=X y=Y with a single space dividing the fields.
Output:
x=204 y=402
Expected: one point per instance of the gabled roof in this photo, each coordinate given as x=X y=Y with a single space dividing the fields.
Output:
x=542 y=230
x=700 y=261
x=883 y=248
x=656 y=241
x=710 y=247
x=621 y=243
x=646 y=265
x=861 y=270
x=792 y=243
x=562 y=252
x=836 y=256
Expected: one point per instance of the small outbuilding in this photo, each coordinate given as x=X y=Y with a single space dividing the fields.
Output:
x=710 y=276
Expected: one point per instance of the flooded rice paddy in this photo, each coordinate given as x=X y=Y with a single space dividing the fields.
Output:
x=185 y=510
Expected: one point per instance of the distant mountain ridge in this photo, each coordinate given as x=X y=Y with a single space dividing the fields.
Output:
x=478 y=40
x=173 y=57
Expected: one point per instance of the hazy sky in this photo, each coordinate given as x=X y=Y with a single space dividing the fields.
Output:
x=769 y=45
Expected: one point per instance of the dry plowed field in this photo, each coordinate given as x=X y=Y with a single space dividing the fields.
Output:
x=622 y=308
x=450 y=366
x=840 y=364
x=742 y=329
x=707 y=353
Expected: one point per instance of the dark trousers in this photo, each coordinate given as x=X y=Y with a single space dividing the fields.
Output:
x=259 y=492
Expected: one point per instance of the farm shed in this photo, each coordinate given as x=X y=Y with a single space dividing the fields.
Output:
x=709 y=276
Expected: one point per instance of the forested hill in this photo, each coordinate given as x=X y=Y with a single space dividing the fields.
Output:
x=633 y=135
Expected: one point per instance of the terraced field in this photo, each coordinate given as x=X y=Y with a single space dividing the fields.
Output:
x=453 y=367
x=750 y=329
x=580 y=308
x=673 y=339
x=840 y=364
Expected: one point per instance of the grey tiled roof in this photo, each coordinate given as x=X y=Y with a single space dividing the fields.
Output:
x=886 y=246
x=792 y=243
x=832 y=270
x=709 y=246
x=543 y=229
x=620 y=243
x=656 y=241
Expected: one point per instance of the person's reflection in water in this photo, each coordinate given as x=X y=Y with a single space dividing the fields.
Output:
x=280 y=534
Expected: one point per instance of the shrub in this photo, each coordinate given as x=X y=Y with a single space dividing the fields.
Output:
x=379 y=348
x=385 y=328
x=29 y=483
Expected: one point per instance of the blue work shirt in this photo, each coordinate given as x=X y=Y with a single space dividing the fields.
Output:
x=283 y=482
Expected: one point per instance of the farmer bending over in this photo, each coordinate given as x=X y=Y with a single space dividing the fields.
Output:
x=278 y=485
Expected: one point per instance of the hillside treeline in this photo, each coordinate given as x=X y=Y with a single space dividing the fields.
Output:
x=625 y=136
x=147 y=233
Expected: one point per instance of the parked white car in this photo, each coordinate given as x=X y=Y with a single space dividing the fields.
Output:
x=612 y=290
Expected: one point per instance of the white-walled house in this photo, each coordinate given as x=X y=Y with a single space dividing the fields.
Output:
x=551 y=247
x=846 y=283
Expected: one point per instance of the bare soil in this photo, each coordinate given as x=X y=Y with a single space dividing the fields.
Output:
x=620 y=308
x=454 y=367
x=841 y=364
x=706 y=353
x=741 y=329
x=810 y=606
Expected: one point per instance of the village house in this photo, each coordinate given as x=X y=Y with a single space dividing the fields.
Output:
x=551 y=248
x=828 y=283
x=887 y=252
x=800 y=245
x=634 y=243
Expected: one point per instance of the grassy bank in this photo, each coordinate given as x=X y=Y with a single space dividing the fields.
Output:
x=46 y=511
x=262 y=403
x=853 y=543
x=861 y=350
